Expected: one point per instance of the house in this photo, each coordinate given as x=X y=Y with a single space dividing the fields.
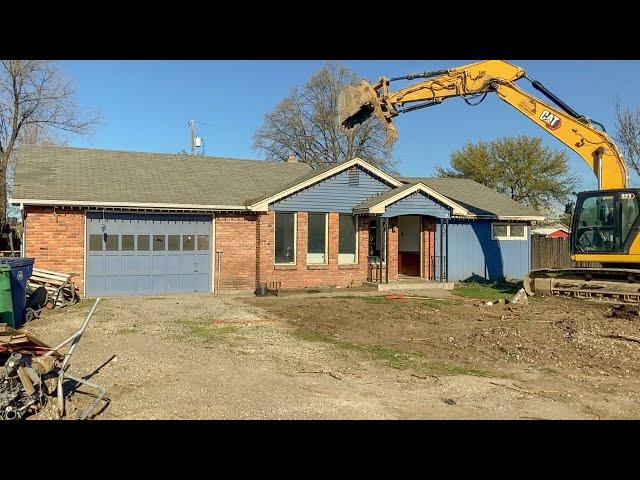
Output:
x=147 y=223
x=559 y=231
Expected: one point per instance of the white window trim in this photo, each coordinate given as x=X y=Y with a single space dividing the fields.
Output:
x=326 y=239
x=509 y=237
x=295 y=239
x=357 y=247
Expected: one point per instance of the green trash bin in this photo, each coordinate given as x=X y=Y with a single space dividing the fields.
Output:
x=6 y=303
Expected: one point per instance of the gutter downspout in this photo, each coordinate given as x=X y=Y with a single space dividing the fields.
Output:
x=23 y=216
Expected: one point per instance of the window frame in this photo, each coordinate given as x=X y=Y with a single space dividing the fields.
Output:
x=509 y=236
x=326 y=238
x=295 y=240
x=357 y=245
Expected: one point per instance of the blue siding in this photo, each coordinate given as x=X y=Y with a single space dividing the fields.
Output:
x=333 y=194
x=472 y=252
x=417 y=204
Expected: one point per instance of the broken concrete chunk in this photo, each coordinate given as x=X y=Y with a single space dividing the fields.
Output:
x=520 y=297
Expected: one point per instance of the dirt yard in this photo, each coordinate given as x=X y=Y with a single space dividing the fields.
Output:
x=343 y=357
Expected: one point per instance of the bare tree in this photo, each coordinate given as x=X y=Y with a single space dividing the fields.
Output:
x=305 y=124
x=628 y=134
x=37 y=105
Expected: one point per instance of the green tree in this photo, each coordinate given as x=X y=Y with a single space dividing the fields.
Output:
x=305 y=124
x=519 y=167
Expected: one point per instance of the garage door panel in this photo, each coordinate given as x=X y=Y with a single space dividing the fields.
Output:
x=174 y=264
x=203 y=263
x=111 y=264
x=188 y=283
x=158 y=264
x=203 y=282
x=143 y=284
x=143 y=264
x=112 y=284
x=188 y=263
x=129 y=283
x=128 y=264
x=95 y=264
x=159 y=283
x=131 y=266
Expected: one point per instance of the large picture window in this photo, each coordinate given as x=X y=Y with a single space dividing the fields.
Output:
x=347 y=248
x=285 y=243
x=317 y=238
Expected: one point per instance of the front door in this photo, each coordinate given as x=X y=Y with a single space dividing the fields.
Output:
x=409 y=245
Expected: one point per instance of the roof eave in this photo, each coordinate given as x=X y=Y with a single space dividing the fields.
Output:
x=151 y=206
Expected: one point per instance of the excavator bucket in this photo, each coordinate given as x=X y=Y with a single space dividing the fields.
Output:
x=357 y=104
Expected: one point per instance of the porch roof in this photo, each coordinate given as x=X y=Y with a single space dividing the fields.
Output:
x=379 y=203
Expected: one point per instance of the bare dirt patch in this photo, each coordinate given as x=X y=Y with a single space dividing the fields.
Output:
x=201 y=357
x=553 y=347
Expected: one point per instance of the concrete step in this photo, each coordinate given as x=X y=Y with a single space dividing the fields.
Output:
x=418 y=285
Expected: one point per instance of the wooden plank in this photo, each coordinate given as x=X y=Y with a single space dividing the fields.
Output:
x=51 y=272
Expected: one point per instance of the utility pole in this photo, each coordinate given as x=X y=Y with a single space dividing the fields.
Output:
x=192 y=124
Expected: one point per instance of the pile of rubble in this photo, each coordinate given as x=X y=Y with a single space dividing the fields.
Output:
x=34 y=374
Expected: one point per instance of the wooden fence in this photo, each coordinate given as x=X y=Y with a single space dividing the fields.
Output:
x=553 y=253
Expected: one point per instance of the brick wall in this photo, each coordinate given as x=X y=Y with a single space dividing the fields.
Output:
x=235 y=236
x=428 y=247
x=393 y=249
x=302 y=275
x=55 y=238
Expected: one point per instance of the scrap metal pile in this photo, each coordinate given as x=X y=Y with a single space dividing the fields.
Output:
x=34 y=374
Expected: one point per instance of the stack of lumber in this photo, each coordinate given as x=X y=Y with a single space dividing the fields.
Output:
x=59 y=286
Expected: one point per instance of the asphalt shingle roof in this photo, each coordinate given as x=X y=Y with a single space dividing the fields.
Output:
x=79 y=174
x=475 y=197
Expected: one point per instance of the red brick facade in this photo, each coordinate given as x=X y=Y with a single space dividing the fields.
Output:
x=235 y=237
x=55 y=238
x=428 y=248
x=302 y=275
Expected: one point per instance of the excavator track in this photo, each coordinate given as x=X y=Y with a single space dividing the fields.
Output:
x=614 y=285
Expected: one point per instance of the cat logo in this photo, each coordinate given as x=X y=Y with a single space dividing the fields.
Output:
x=553 y=122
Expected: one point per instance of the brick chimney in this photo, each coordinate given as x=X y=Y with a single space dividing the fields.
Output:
x=292 y=159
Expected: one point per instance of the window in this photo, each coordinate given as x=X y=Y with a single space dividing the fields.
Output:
x=508 y=231
x=629 y=207
x=347 y=241
x=158 y=243
x=112 y=243
x=95 y=243
x=596 y=226
x=285 y=244
x=317 y=238
x=173 y=243
x=143 y=243
x=188 y=242
x=203 y=242
x=127 y=243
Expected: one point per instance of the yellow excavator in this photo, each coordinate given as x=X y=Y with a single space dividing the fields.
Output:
x=605 y=222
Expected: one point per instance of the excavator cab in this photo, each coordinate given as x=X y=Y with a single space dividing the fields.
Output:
x=605 y=221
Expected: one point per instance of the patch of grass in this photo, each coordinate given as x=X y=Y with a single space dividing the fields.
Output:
x=487 y=291
x=209 y=332
x=86 y=302
x=381 y=300
x=129 y=330
x=392 y=357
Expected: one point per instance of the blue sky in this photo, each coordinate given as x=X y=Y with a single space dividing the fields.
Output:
x=146 y=105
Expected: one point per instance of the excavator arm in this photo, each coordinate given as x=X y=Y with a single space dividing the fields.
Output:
x=357 y=104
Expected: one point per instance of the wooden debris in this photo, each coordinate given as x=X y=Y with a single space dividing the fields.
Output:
x=623 y=337
x=60 y=288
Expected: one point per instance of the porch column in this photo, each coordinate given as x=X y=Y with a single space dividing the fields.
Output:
x=392 y=249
